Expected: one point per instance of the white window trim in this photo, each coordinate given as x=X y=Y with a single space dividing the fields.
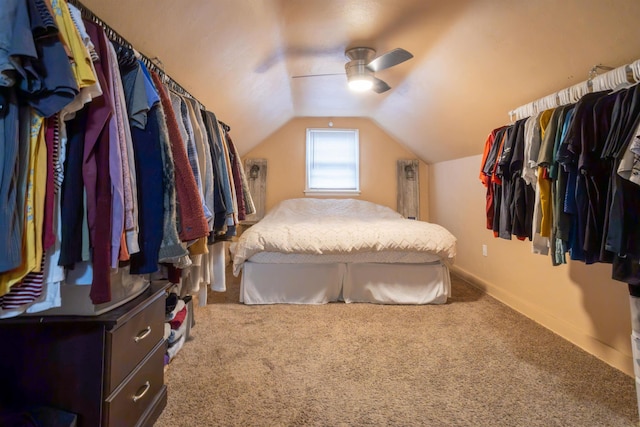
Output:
x=329 y=191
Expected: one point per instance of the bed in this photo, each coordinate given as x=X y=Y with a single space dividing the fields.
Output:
x=315 y=251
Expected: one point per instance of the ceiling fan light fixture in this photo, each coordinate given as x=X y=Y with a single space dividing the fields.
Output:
x=362 y=66
x=359 y=78
x=360 y=83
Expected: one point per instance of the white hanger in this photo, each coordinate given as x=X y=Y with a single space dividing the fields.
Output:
x=635 y=68
x=613 y=79
x=625 y=77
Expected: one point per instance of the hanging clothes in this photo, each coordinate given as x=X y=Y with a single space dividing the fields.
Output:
x=103 y=164
x=578 y=158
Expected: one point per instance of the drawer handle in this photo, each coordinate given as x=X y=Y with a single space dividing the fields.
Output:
x=141 y=391
x=142 y=334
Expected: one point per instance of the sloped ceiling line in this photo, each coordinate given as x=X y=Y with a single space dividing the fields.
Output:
x=612 y=79
x=474 y=60
x=153 y=63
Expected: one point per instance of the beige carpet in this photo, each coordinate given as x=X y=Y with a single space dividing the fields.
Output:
x=471 y=362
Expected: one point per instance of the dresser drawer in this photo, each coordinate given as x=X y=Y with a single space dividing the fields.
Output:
x=131 y=342
x=132 y=398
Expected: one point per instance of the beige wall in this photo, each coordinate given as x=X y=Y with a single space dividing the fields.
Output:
x=285 y=154
x=579 y=302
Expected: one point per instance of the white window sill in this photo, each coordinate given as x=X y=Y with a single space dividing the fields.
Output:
x=331 y=192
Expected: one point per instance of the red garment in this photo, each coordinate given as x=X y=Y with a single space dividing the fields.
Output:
x=489 y=180
x=237 y=178
x=51 y=140
x=176 y=322
x=193 y=223
x=123 y=255
x=174 y=273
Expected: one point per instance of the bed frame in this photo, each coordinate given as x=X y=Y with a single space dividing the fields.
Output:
x=382 y=283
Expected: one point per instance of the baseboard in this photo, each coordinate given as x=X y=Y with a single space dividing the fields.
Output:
x=591 y=345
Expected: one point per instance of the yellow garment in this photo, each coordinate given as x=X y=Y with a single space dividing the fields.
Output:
x=544 y=184
x=40 y=188
x=545 y=117
x=34 y=208
x=199 y=247
x=80 y=59
x=545 y=203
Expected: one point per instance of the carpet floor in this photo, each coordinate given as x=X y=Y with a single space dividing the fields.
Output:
x=470 y=362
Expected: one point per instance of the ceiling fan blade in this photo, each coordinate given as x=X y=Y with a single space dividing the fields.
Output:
x=317 y=75
x=379 y=86
x=389 y=59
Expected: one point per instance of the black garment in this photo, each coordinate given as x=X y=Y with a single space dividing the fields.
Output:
x=506 y=188
x=624 y=121
x=127 y=60
x=72 y=209
x=578 y=157
x=623 y=228
x=219 y=206
x=487 y=170
x=598 y=174
x=521 y=203
x=522 y=209
x=497 y=205
x=149 y=173
x=626 y=210
x=506 y=154
x=626 y=269
x=517 y=150
x=494 y=153
x=42 y=22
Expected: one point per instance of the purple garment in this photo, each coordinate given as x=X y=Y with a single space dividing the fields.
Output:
x=95 y=172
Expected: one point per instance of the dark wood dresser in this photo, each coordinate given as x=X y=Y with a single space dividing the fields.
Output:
x=108 y=369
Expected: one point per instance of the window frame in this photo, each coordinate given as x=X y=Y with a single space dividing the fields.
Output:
x=308 y=164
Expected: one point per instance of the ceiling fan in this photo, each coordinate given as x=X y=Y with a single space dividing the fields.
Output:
x=362 y=66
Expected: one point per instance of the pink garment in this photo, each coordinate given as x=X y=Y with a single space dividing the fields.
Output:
x=115 y=159
x=128 y=164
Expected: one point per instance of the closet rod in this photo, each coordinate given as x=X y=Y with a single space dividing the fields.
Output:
x=614 y=77
x=116 y=37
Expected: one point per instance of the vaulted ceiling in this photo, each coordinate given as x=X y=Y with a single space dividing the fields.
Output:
x=474 y=60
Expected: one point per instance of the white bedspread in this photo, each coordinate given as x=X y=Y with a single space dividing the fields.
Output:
x=331 y=226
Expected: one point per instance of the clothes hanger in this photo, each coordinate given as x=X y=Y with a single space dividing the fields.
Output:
x=623 y=78
x=635 y=68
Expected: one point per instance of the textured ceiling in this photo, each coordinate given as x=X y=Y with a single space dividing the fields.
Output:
x=474 y=60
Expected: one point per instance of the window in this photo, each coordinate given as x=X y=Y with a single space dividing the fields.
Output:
x=332 y=161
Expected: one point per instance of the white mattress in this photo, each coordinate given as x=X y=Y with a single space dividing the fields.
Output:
x=386 y=257
x=321 y=227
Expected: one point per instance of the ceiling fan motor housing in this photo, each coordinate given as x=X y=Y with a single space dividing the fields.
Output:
x=366 y=54
x=357 y=68
x=359 y=58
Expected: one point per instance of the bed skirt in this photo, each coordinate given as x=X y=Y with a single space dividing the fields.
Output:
x=380 y=283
